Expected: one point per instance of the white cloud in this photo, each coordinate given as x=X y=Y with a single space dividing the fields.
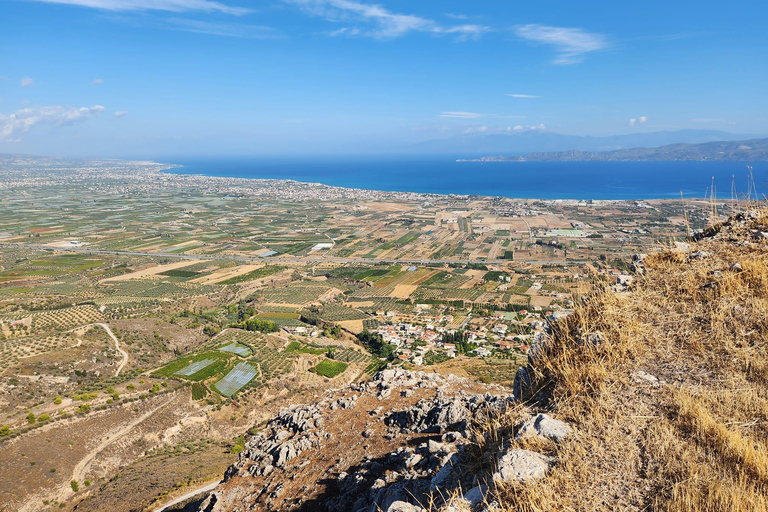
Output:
x=642 y=119
x=476 y=129
x=462 y=115
x=528 y=128
x=571 y=44
x=476 y=115
x=121 y=113
x=23 y=120
x=98 y=81
x=156 y=5
x=26 y=82
x=386 y=24
x=639 y=120
x=523 y=96
x=222 y=29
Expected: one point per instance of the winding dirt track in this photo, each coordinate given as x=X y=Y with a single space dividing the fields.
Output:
x=117 y=346
x=190 y=494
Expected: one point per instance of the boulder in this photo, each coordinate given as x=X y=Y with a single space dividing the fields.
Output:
x=521 y=466
x=545 y=426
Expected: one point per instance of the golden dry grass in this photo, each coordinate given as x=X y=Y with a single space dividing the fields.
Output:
x=697 y=438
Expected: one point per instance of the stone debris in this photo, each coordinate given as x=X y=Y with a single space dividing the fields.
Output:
x=428 y=467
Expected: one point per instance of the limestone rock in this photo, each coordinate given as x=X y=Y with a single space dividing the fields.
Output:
x=521 y=466
x=545 y=426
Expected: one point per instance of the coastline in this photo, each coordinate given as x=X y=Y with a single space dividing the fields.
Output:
x=547 y=181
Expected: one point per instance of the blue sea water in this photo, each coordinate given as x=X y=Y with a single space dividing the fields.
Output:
x=542 y=180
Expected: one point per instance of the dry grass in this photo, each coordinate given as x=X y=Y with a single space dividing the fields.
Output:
x=697 y=439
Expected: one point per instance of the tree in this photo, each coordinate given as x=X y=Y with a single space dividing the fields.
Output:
x=376 y=344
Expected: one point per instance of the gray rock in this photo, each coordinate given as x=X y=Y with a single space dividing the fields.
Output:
x=736 y=267
x=434 y=446
x=402 y=506
x=699 y=255
x=476 y=495
x=522 y=466
x=545 y=426
x=522 y=383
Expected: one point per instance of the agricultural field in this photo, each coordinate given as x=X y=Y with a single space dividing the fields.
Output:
x=167 y=265
x=329 y=368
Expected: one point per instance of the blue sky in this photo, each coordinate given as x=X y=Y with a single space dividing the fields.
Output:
x=202 y=77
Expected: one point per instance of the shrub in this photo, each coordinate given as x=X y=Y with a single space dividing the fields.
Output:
x=75 y=486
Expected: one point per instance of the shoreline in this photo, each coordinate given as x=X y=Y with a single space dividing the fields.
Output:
x=166 y=167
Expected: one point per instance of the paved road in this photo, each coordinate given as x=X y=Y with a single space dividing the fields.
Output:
x=271 y=259
x=190 y=494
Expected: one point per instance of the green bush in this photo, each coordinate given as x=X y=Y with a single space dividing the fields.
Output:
x=75 y=486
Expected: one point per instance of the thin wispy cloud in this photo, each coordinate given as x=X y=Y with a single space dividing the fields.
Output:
x=121 y=113
x=382 y=22
x=707 y=120
x=571 y=44
x=639 y=120
x=26 y=82
x=98 y=81
x=21 y=121
x=155 y=5
x=462 y=115
x=523 y=96
x=474 y=115
x=222 y=29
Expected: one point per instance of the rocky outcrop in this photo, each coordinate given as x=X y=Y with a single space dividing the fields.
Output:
x=400 y=442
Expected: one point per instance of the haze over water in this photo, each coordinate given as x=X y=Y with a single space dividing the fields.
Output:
x=542 y=180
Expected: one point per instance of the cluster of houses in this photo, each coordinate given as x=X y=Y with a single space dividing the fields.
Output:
x=415 y=339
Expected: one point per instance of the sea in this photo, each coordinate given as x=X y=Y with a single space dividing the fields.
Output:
x=524 y=180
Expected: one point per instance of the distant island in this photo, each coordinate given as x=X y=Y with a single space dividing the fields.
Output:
x=754 y=150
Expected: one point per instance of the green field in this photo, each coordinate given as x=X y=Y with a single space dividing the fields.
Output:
x=218 y=365
x=328 y=368
x=253 y=274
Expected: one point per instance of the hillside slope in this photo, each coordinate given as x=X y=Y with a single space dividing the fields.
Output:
x=654 y=397
x=754 y=150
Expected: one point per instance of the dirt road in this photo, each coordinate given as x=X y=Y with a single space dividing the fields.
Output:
x=117 y=346
x=190 y=494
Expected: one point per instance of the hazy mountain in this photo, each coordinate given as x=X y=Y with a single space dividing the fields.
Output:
x=543 y=141
x=755 y=150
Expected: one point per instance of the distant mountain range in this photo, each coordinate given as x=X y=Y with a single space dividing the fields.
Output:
x=754 y=150
x=543 y=141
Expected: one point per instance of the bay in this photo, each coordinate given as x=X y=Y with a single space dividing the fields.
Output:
x=525 y=180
